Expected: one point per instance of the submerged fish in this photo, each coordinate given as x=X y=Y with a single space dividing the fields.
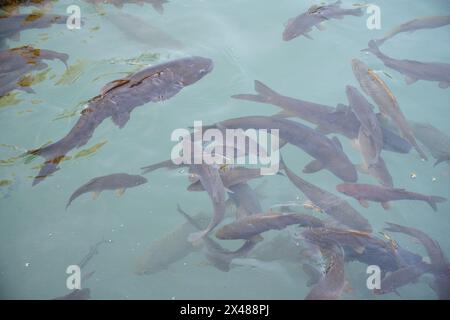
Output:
x=119 y=98
x=381 y=194
x=246 y=200
x=439 y=263
x=328 y=119
x=434 y=139
x=156 y=4
x=77 y=294
x=332 y=205
x=417 y=24
x=332 y=284
x=415 y=70
x=250 y=226
x=314 y=17
x=328 y=153
x=143 y=33
x=400 y=278
x=117 y=181
x=373 y=86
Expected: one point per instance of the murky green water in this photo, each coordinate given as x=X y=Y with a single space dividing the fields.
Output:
x=39 y=238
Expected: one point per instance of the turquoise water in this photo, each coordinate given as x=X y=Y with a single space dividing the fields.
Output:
x=39 y=238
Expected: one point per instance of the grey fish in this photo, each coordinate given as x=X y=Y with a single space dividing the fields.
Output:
x=434 y=139
x=280 y=247
x=170 y=248
x=400 y=278
x=415 y=70
x=332 y=284
x=381 y=194
x=143 y=33
x=328 y=119
x=119 y=98
x=379 y=171
x=116 y=181
x=374 y=86
x=332 y=205
x=210 y=179
x=250 y=226
x=328 y=153
x=430 y=22
x=245 y=198
x=314 y=17
x=439 y=263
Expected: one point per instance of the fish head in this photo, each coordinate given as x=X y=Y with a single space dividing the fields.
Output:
x=291 y=31
x=138 y=180
x=345 y=188
x=359 y=67
x=192 y=69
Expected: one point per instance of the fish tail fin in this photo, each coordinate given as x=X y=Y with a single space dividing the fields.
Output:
x=440 y=160
x=433 y=200
x=48 y=168
x=265 y=94
x=373 y=47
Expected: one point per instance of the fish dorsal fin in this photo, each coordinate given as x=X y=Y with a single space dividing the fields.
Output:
x=337 y=143
x=112 y=85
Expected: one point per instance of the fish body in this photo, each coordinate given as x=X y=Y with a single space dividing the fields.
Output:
x=415 y=70
x=303 y=23
x=331 y=204
x=77 y=294
x=437 y=142
x=245 y=198
x=400 y=278
x=117 y=181
x=381 y=194
x=119 y=98
x=376 y=88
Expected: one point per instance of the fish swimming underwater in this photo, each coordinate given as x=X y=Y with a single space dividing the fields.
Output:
x=332 y=205
x=328 y=119
x=328 y=153
x=381 y=194
x=374 y=86
x=430 y=22
x=118 y=99
x=117 y=181
x=415 y=70
x=136 y=29
x=434 y=139
x=314 y=17
x=156 y=4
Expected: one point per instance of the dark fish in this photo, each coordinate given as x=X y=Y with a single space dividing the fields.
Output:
x=381 y=194
x=117 y=181
x=434 y=139
x=170 y=248
x=328 y=119
x=81 y=294
x=156 y=4
x=303 y=24
x=250 y=226
x=210 y=179
x=119 y=98
x=245 y=198
x=415 y=70
x=439 y=263
x=219 y=257
x=400 y=278
x=328 y=153
x=332 y=284
x=374 y=86
x=143 y=33
x=417 y=24
x=334 y=206
x=11 y=26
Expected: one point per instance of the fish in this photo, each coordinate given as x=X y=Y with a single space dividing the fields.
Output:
x=379 y=171
x=245 y=198
x=210 y=179
x=337 y=208
x=250 y=226
x=280 y=247
x=373 y=86
x=118 y=99
x=328 y=119
x=440 y=266
x=381 y=194
x=436 y=141
x=138 y=30
x=332 y=285
x=220 y=257
x=302 y=24
x=328 y=153
x=415 y=70
x=430 y=22
x=12 y=26
x=170 y=248
x=116 y=181
x=400 y=278
x=77 y=294
x=156 y=4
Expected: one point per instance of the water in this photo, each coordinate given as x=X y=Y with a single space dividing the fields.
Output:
x=39 y=239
